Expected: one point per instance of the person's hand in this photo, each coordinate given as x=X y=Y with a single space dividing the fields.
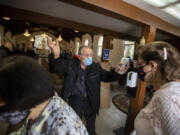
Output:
x=54 y=48
x=121 y=69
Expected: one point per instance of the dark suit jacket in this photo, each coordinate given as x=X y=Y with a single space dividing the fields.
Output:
x=94 y=75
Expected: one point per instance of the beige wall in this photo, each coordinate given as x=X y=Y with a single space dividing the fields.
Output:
x=21 y=39
x=71 y=47
x=96 y=58
x=1 y=35
x=116 y=53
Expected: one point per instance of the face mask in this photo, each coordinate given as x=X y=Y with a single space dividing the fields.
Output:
x=13 y=117
x=88 y=61
x=142 y=74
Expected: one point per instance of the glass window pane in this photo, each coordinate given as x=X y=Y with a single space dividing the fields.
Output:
x=77 y=48
x=99 y=51
x=86 y=42
x=100 y=41
x=77 y=44
x=128 y=42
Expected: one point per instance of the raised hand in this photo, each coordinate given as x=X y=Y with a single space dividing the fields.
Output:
x=54 y=48
x=121 y=69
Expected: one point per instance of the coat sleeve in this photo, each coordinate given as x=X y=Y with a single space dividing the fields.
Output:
x=59 y=65
x=109 y=76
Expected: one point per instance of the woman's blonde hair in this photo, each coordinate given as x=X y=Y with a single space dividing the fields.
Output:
x=166 y=56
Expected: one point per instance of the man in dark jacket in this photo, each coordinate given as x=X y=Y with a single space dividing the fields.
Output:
x=82 y=81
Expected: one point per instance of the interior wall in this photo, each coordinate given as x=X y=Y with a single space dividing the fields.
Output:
x=64 y=45
x=1 y=35
x=21 y=39
x=8 y=42
x=175 y=43
x=71 y=47
x=116 y=53
x=96 y=58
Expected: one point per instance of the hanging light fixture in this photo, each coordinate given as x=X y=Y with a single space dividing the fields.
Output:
x=44 y=35
x=27 y=34
x=76 y=31
x=142 y=41
x=54 y=42
x=32 y=39
x=60 y=38
x=6 y=18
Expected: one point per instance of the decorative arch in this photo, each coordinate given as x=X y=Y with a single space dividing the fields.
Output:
x=77 y=44
x=87 y=40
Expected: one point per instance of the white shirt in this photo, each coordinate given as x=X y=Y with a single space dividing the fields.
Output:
x=162 y=115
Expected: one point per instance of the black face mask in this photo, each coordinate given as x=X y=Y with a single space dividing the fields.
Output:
x=141 y=73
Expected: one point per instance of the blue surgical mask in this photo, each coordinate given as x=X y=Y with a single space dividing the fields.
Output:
x=88 y=61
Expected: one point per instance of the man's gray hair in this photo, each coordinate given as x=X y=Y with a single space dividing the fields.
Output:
x=81 y=47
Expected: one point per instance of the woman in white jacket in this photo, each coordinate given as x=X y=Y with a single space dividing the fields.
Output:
x=161 y=65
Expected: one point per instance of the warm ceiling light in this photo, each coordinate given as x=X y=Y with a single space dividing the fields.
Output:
x=44 y=35
x=54 y=42
x=32 y=40
x=26 y=33
x=60 y=38
x=76 y=31
x=6 y=18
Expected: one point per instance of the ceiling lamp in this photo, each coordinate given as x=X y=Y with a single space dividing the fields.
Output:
x=32 y=39
x=142 y=41
x=76 y=31
x=54 y=42
x=27 y=33
x=6 y=18
x=60 y=38
x=44 y=35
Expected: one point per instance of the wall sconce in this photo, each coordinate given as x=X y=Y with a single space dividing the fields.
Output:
x=27 y=33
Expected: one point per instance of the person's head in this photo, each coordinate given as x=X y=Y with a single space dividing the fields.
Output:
x=24 y=84
x=85 y=55
x=160 y=61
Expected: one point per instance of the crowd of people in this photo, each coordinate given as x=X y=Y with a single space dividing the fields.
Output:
x=28 y=92
x=9 y=49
